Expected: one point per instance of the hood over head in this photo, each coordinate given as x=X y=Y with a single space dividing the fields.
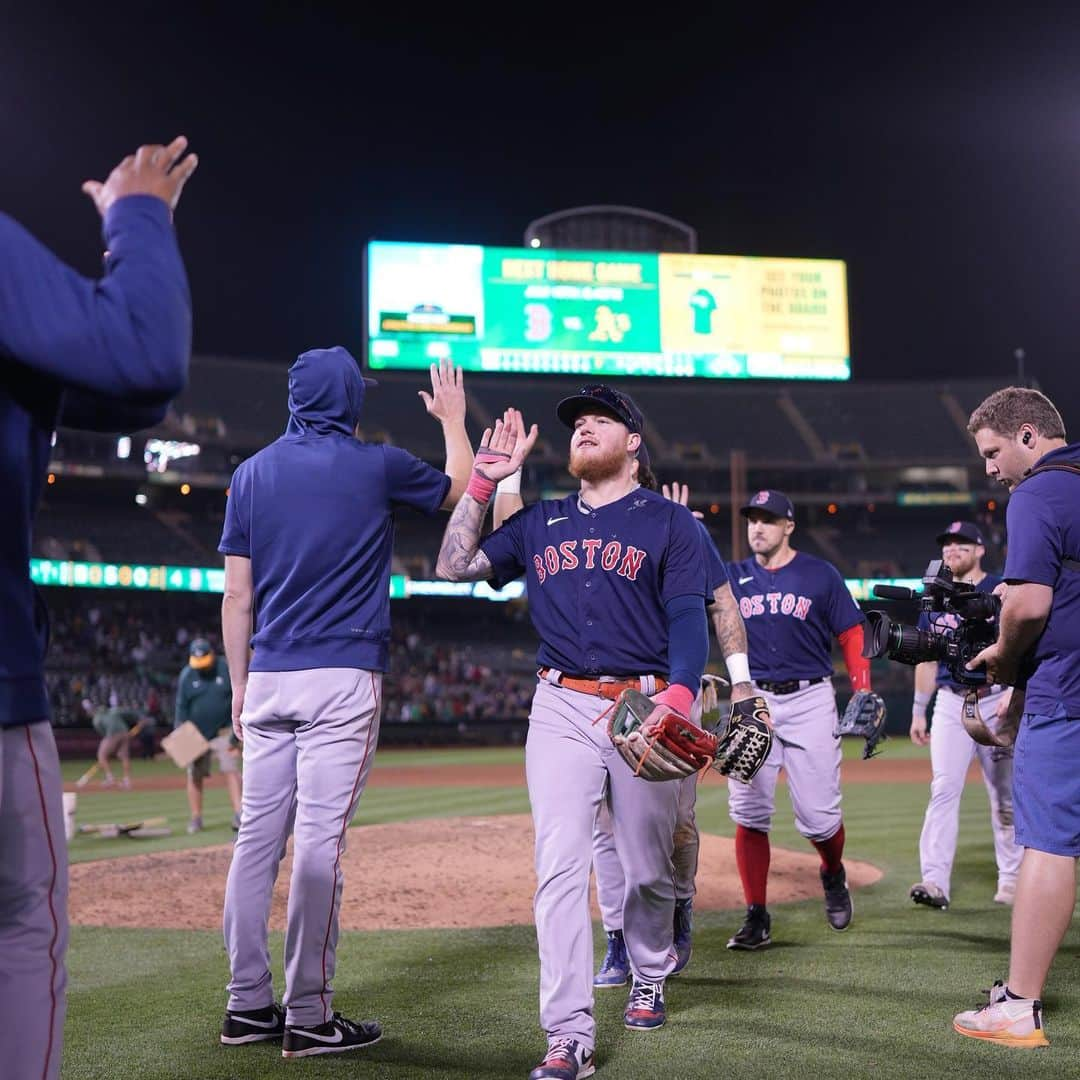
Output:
x=326 y=392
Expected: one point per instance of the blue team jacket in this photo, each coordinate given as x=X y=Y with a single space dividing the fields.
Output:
x=102 y=355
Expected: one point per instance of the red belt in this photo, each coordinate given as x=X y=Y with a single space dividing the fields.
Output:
x=605 y=688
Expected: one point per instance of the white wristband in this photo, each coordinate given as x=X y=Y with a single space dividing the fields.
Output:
x=738 y=667
x=921 y=700
x=510 y=485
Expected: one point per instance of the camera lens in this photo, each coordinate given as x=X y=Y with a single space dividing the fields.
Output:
x=910 y=645
x=905 y=644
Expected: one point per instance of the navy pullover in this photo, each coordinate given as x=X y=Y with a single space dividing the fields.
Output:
x=104 y=355
x=313 y=511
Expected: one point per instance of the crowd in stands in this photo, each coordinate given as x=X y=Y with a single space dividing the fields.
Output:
x=451 y=661
x=127 y=651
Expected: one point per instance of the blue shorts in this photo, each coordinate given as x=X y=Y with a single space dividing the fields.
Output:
x=1046 y=784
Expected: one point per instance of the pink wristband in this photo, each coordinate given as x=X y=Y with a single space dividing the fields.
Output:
x=677 y=697
x=480 y=487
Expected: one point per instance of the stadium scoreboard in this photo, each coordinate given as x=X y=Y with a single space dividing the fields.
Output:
x=597 y=313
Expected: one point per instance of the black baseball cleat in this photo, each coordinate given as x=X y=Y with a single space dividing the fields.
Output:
x=929 y=894
x=838 y=905
x=257 y=1025
x=334 y=1037
x=754 y=932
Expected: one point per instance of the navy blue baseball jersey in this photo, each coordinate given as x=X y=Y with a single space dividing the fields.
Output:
x=943 y=620
x=715 y=569
x=792 y=615
x=598 y=579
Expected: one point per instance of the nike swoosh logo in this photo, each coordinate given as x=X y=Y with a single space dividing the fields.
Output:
x=257 y=1023
x=551 y=521
x=744 y=580
x=335 y=1038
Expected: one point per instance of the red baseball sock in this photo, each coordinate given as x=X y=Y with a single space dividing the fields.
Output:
x=752 y=854
x=831 y=850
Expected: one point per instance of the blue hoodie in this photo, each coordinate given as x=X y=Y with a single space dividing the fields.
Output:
x=102 y=355
x=314 y=513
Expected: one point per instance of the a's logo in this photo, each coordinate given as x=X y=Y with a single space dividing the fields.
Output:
x=760 y=499
x=552 y=521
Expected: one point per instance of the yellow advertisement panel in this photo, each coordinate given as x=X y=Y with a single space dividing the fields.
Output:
x=765 y=310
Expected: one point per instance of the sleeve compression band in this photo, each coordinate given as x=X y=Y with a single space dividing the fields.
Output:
x=688 y=640
x=851 y=645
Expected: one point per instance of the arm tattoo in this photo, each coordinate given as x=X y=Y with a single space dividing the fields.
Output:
x=728 y=622
x=459 y=557
x=730 y=629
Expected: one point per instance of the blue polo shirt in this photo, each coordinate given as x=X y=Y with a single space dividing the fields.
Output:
x=1043 y=521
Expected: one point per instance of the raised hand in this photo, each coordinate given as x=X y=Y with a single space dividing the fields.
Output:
x=680 y=493
x=152 y=170
x=446 y=402
x=504 y=448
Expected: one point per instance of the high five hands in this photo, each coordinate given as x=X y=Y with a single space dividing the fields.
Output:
x=505 y=447
x=446 y=402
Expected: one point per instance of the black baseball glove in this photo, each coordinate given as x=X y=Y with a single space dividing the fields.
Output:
x=864 y=717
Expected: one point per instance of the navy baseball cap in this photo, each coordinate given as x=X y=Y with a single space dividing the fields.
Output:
x=962 y=532
x=772 y=502
x=614 y=401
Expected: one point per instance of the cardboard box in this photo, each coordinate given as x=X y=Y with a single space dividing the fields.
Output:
x=185 y=744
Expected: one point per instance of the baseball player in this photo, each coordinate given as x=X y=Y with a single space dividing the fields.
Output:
x=204 y=696
x=793 y=605
x=610 y=882
x=952 y=748
x=617 y=596
x=308 y=539
x=104 y=355
x=727 y=622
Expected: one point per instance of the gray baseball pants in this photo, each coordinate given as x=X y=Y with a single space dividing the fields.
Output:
x=309 y=741
x=33 y=904
x=571 y=766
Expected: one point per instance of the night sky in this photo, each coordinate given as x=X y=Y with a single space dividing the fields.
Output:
x=939 y=156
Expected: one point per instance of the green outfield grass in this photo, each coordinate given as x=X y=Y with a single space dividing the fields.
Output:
x=876 y=1001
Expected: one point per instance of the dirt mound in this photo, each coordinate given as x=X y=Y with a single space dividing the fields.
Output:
x=442 y=872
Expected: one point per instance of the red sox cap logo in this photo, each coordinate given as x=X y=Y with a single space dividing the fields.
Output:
x=956 y=526
x=760 y=499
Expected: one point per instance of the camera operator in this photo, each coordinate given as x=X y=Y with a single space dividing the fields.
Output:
x=951 y=747
x=1021 y=436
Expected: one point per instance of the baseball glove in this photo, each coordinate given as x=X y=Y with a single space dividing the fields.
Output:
x=864 y=717
x=657 y=742
x=745 y=740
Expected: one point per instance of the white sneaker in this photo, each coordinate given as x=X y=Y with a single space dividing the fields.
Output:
x=1006 y=893
x=1008 y=1021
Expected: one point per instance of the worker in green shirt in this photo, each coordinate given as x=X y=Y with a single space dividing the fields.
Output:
x=204 y=696
x=115 y=726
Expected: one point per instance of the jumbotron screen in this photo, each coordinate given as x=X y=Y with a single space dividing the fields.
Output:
x=540 y=311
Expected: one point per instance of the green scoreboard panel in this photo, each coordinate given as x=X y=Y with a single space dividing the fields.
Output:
x=599 y=313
